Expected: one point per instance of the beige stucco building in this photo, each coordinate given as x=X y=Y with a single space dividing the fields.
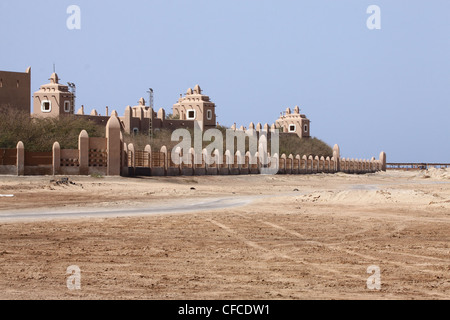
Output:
x=196 y=107
x=53 y=99
x=294 y=123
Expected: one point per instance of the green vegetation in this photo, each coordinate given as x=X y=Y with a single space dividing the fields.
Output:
x=39 y=134
x=289 y=143
x=97 y=176
x=170 y=116
x=292 y=144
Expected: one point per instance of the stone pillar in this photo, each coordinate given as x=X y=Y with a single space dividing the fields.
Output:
x=124 y=163
x=258 y=127
x=337 y=157
x=56 y=159
x=166 y=160
x=316 y=160
x=383 y=161
x=228 y=158
x=83 y=152
x=148 y=149
x=238 y=157
x=113 y=146
x=20 y=164
x=127 y=120
x=133 y=156
x=81 y=111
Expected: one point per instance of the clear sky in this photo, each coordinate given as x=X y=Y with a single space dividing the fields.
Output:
x=367 y=90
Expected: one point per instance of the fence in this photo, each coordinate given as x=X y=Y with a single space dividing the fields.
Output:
x=415 y=166
x=111 y=156
x=93 y=156
x=165 y=163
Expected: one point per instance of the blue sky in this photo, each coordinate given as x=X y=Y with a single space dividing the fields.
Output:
x=367 y=90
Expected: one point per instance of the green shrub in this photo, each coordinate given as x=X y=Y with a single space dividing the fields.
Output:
x=39 y=134
x=289 y=143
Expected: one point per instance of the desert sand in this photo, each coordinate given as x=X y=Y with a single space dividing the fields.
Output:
x=292 y=237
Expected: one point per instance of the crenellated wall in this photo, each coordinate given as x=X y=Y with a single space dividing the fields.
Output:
x=111 y=156
x=161 y=163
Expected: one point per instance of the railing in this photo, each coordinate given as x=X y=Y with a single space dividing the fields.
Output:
x=98 y=158
x=69 y=158
x=158 y=159
x=142 y=159
x=415 y=166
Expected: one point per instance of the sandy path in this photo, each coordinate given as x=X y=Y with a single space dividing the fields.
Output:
x=197 y=205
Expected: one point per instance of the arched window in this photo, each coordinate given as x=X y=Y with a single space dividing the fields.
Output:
x=209 y=114
x=135 y=131
x=18 y=84
x=1 y=83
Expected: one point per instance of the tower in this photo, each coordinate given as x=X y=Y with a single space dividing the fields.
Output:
x=53 y=99
x=196 y=106
x=295 y=123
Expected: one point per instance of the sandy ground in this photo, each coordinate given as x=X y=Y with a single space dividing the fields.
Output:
x=301 y=237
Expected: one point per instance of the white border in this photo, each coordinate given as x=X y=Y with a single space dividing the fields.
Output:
x=187 y=114
x=42 y=106
x=65 y=103
x=295 y=128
